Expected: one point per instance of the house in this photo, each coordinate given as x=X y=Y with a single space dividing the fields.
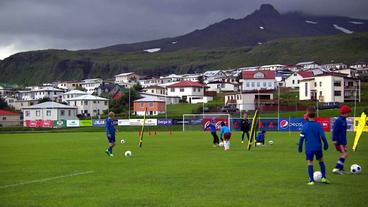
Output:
x=192 y=92
x=6 y=91
x=307 y=65
x=220 y=86
x=91 y=84
x=126 y=78
x=213 y=75
x=153 y=106
x=49 y=111
x=40 y=92
x=9 y=118
x=156 y=89
x=361 y=70
x=19 y=104
x=192 y=77
x=272 y=67
x=249 y=100
x=293 y=80
x=330 y=87
x=162 y=81
x=69 y=85
x=350 y=72
x=258 y=80
x=166 y=98
x=72 y=94
x=334 y=66
x=108 y=88
x=89 y=105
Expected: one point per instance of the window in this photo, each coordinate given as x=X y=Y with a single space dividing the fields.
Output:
x=181 y=89
x=94 y=102
x=194 y=89
x=172 y=89
x=150 y=104
x=38 y=113
x=264 y=84
x=293 y=82
x=337 y=83
x=4 y=118
x=48 y=113
x=337 y=93
x=320 y=93
x=247 y=84
x=142 y=104
x=253 y=84
x=306 y=89
x=85 y=102
x=62 y=112
x=320 y=83
x=69 y=112
x=27 y=113
x=298 y=81
x=269 y=84
x=258 y=84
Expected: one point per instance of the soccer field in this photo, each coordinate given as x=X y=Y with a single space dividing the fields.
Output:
x=183 y=169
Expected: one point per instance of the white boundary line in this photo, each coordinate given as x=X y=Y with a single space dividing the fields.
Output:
x=45 y=179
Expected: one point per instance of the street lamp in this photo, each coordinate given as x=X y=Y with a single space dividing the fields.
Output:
x=129 y=101
x=278 y=80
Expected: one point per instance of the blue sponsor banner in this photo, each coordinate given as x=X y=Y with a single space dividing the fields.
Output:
x=98 y=122
x=235 y=124
x=165 y=122
x=268 y=124
x=292 y=124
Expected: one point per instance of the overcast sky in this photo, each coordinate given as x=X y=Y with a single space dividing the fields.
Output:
x=82 y=24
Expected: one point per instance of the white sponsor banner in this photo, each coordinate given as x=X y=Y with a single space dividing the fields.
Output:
x=123 y=122
x=72 y=123
x=139 y=122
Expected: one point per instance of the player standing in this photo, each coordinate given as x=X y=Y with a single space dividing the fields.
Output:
x=244 y=125
x=339 y=138
x=212 y=127
x=110 y=133
x=312 y=133
x=227 y=134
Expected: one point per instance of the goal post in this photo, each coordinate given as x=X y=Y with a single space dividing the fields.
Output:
x=198 y=121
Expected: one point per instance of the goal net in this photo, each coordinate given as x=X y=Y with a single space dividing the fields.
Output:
x=195 y=122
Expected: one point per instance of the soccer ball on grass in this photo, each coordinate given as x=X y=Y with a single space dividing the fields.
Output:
x=221 y=144
x=317 y=176
x=270 y=142
x=355 y=169
x=128 y=153
x=122 y=141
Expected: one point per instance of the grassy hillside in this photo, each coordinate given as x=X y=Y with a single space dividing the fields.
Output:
x=50 y=65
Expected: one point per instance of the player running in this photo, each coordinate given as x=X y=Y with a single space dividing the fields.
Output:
x=339 y=138
x=212 y=127
x=227 y=134
x=244 y=125
x=312 y=133
x=110 y=133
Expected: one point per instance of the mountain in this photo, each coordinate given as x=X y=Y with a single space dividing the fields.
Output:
x=263 y=25
x=263 y=37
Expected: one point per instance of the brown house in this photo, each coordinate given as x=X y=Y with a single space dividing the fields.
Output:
x=152 y=105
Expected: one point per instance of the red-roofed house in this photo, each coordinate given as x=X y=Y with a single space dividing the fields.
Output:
x=293 y=80
x=258 y=80
x=192 y=92
x=9 y=118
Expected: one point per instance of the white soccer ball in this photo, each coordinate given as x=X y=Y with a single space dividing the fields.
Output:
x=128 y=153
x=317 y=176
x=355 y=169
x=270 y=142
x=221 y=144
x=122 y=141
x=258 y=144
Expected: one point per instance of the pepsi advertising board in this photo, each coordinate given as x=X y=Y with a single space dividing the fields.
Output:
x=291 y=124
x=268 y=124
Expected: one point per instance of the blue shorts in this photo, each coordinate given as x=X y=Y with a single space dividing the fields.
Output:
x=310 y=155
x=111 y=138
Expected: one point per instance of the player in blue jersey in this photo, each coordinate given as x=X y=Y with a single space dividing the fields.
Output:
x=110 y=133
x=339 y=138
x=312 y=134
x=261 y=137
x=227 y=134
x=212 y=127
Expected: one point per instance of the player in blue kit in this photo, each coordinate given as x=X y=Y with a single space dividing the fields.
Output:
x=227 y=134
x=339 y=138
x=110 y=133
x=212 y=127
x=312 y=134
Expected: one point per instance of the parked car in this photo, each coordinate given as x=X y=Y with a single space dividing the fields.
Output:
x=330 y=105
x=229 y=108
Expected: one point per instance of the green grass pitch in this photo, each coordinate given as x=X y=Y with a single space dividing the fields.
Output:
x=179 y=170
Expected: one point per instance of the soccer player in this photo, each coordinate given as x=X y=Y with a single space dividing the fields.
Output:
x=312 y=133
x=244 y=125
x=261 y=137
x=227 y=134
x=339 y=138
x=212 y=127
x=110 y=133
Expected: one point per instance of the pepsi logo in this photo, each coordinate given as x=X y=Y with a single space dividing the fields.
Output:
x=284 y=124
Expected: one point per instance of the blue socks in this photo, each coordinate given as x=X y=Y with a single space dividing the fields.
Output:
x=110 y=150
x=340 y=164
x=310 y=172
x=323 y=169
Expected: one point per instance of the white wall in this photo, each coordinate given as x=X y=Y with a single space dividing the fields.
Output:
x=49 y=114
x=93 y=107
x=185 y=91
x=255 y=84
x=293 y=80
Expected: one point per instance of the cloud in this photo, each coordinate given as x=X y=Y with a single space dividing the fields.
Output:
x=83 y=24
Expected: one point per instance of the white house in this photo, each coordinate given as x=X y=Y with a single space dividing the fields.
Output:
x=49 y=111
x=293 y=80
x=156 y=89
x=335 y=66
x=192 y=92
x=91 y=84
x=69 y=85
x=126 y=78
x=165 y=98
x=258 y=80
x=330 y=87
x=219 y=86
x=39 y=93
x=19 y=104
x=307 y=65
x=89 y=105
x=248 y=100
x=272 y=67
x=192 y=77
x=72 y=94
x=213 y=75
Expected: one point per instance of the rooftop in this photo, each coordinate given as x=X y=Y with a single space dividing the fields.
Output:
x=87 y=97
x=149 y=99
x=7 y=113
x=50 y=105
x=187 y=84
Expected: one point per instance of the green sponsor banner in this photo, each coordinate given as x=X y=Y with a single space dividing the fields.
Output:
x=85 y=123
x=60 y=124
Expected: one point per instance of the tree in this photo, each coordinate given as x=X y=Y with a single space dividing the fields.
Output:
x=3 y=104
x=201 y=79
x=138 y=87
x=122 y=105
x=44 y=99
